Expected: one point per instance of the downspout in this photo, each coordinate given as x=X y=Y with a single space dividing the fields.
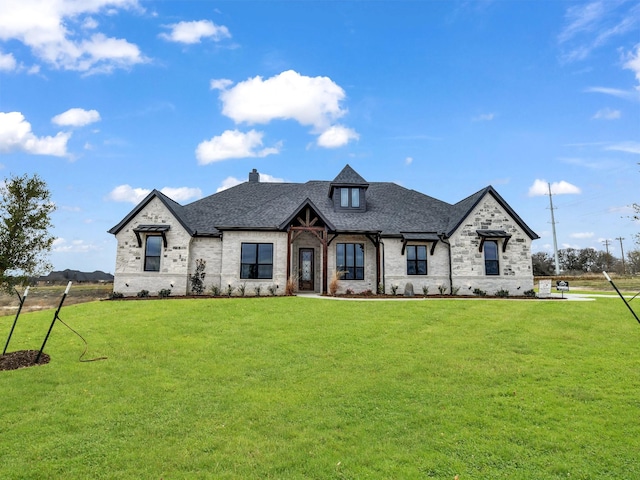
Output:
x=384 y=288
x=446 y=242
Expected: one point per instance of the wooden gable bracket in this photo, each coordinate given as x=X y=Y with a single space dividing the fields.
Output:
x=431 y=250
x=375 y=240
x=493 y=235
x=161 y=229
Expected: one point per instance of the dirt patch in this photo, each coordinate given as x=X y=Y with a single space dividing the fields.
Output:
x=22 y=359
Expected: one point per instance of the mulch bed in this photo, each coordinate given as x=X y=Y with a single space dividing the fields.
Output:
x=22 y=359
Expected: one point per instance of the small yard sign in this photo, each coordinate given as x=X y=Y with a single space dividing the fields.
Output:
x=544 y=288
x=562 y=286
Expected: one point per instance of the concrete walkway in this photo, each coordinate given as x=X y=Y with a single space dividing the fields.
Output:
x=572 y=297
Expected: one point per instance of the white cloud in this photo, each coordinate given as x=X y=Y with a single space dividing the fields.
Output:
x=408 y=160
x=126 y=193
x=607 y=114
x=7 y=62
x=182 y=194
x=313 y=101
x=632 y=95
x=228 y=183
x=633 y=64
x=592 y=25
x=16 y=135
x=233 y=181
x=220 y=84
x=60 y=245
x=628 y=147
x=56 y=32
x=233 y=144
x=541 y=188
x=337 y=136
x=582 y=235
x=194 y=32
x=76 y=117
x=485 y=117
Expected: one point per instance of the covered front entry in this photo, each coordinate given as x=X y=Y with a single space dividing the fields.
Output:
x=307 y=242
x=306 y=281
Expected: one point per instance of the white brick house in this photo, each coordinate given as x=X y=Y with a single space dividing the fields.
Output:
x=379 y=235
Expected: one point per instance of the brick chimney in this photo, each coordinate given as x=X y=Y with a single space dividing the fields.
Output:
x=254 y=176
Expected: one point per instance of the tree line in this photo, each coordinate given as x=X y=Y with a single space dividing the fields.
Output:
x=575 y=261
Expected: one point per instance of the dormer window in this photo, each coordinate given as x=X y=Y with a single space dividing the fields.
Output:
x=349 y=197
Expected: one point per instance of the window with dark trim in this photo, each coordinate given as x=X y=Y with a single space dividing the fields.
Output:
x=491 y=266
x=416 y=259
x=152 y=252
x=256 y=260
x=349 y=197
x=350 y=260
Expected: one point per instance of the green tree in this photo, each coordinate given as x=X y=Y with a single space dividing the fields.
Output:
x=543 y=264
x=25 y=209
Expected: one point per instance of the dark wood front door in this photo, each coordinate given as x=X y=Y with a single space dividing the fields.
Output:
x=306 y=269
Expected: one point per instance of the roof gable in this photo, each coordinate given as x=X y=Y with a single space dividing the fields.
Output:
x=463 y=209
x=175 y=208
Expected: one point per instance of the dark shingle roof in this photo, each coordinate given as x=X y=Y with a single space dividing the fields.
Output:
x=348 y=176
x=391 y=209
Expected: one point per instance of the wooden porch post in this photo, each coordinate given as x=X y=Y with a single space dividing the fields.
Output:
x=325 y=261
x=288 y=255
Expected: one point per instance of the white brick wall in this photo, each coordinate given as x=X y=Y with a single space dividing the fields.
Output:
x=222 y=255
x=516 y=273
x=130 y=277
x=395 y=272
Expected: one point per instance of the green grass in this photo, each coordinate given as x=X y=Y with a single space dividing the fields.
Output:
x=308 y=388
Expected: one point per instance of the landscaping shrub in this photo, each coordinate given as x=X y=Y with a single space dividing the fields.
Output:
x=164 y=293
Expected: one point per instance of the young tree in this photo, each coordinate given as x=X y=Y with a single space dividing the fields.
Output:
x=25 y=209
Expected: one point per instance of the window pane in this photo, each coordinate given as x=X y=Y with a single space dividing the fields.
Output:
x=349 y=254
x=411 y=267
x=411 y=252
x=340 y=256
x=152 y=264
x=359 y=247
x=355 y=197
x=344 y=197
x=248 y=253
x=154 y=246
x=491 y=250
x=359 y=273
x=265 y=253
x=491 y=267
x=422 y=267
x=422 y=252
x=265 y=271
x=245 y=270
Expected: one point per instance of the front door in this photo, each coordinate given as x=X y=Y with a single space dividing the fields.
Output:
x=306 y=269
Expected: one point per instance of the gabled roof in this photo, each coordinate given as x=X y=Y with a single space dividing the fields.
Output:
x=300 y=209
x=391 y=210
x=175 y=208
x=348 y=176
x=463 y=208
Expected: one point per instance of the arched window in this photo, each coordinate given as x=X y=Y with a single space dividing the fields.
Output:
x=491 y=266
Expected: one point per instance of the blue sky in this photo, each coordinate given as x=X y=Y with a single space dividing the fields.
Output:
x=109 y=99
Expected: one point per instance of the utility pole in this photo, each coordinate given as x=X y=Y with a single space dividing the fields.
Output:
x=606 y=245
x=624 y=270
x=553 y=227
